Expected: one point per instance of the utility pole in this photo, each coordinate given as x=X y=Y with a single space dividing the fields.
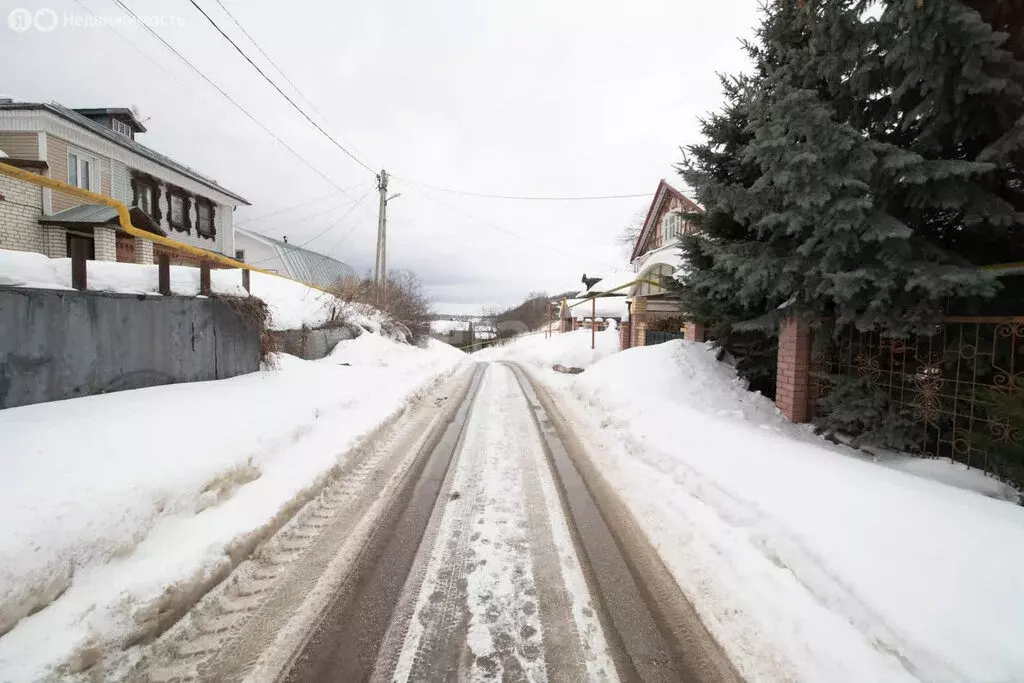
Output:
x=380 y=268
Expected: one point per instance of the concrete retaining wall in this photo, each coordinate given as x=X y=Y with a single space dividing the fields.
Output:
x=66 y=344
x=312 y=344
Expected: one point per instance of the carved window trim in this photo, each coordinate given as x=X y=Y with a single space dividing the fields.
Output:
x=212 y=232
x=186 y=212
x=140 y=180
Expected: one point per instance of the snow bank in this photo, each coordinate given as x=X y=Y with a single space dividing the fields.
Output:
x=109 y=500
x=292 y=304
x=805 y=560
x=571 y=349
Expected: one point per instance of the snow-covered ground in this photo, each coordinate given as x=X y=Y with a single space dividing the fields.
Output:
x=807 y=560
x=119 y=503
x=291 y=303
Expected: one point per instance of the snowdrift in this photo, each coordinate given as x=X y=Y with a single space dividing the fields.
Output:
x=117 y=506
x=806 y=560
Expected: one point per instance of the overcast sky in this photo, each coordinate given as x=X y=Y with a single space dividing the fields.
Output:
x=521 y=97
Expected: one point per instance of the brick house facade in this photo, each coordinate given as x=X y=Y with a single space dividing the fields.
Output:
x=20 y=208
x=95 y=149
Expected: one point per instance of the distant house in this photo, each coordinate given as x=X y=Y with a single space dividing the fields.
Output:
x=298 y=263
x=655 y=255
x=96 y=149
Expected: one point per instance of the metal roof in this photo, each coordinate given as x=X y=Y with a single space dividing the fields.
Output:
x=87 y=215
x=83 y=213
x=304 y=264
x=122 y=140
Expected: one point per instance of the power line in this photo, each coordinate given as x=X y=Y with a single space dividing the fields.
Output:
x=524 y=197
x=259 y=123
x=278 y=88
x=319 y=234
x=297 y=206
x=131 y=44
x=279 y=70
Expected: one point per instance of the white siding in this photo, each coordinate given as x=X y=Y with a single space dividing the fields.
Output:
x=119 y=182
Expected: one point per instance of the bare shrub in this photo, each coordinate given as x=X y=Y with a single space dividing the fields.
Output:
x=403 y=299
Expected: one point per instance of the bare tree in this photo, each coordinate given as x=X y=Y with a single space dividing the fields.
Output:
x=631 y=231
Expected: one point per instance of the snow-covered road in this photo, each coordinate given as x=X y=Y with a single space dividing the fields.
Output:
x=502 y=594
x=463 y=545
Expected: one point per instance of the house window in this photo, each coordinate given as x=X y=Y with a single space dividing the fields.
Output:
x=204 y=218
x=145 y=200
x=121 y=127
x=80 y=171
x=146 y=195
x=178 y=207
x=671 y=227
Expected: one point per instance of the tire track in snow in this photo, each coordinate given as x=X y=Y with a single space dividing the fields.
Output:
x=503 y=596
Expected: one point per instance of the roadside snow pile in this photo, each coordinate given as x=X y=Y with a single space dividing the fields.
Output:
x=570 y=349
x=805 y=560
x=291 y=303
x=116 y=506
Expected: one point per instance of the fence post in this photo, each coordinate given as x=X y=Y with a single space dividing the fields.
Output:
x=163 y=269
x=793 y=372
x=204 y=278
x=79 y=279
x=245 y=279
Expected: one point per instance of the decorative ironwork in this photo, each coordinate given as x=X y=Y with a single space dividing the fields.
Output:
x=964 y=385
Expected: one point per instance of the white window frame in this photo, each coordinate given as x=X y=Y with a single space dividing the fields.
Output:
x=671 y=226
x=121 y=127
x=91 y=161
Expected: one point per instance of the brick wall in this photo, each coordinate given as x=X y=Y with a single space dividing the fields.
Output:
x=638 y=318
x=694 y=331
x=625 y=341
x=792 y=383
x=104 y=243
x=125 y=249
x=20 y=208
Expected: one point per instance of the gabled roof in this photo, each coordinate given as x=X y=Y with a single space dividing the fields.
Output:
x=304 y=264
x=124 y=141
x=663 y=193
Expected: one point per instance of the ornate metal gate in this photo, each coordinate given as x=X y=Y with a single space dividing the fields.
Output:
x=964 y=385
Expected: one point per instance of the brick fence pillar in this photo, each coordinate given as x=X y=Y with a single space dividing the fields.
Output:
x=695 y=331
x=638 y=321
x=105 y=243
x=624 y=338
x=792 y=382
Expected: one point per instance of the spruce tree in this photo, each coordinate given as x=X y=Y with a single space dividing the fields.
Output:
x=862 y=174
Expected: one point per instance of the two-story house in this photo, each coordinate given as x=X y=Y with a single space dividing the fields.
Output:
x=96 y=149
x=656 y=255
